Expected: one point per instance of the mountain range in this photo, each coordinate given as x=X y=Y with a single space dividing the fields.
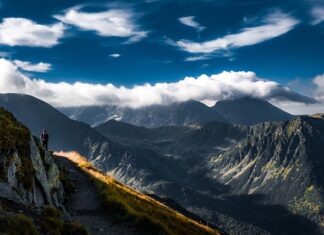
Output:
x=246 y=111
x=268 y=175
x=246 y=179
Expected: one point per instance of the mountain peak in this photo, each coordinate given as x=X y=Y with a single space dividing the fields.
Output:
x=250 y=111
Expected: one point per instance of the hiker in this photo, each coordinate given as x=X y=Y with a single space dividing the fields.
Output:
x=44 y=139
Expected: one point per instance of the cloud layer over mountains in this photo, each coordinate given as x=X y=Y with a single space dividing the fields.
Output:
x=226 y=85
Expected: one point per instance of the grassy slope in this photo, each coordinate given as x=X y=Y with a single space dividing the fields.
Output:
x=130 y=205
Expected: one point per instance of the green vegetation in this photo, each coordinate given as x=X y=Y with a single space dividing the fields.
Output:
x=146 y=214
x=14 y=135
x=310 y=203
x=74 y=228
x=52 y=223
x=17 y=225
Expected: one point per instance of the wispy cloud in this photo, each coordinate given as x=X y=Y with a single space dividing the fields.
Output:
x=109 y=23
x=115 y=55
x=24 y=32
x=190 y=21
x=274 y=25
x=197 y=58
x=318 y=14
x=226 y=85
x=27 y=66
x=4 y=54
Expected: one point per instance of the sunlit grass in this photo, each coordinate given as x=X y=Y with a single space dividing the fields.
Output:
x=129 y=205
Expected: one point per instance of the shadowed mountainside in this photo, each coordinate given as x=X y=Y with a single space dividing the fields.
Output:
x=270 y=170
x=250 y=111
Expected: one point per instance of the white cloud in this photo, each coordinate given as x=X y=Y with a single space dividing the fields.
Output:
x=300 y=108
x=110 y=23
x=27 y=66
x=225 y=85
x=24 y=32
x=115 y=55
x=318 y=14
x=319 y=91
x=190 y=21
x=316 y=87
x=274 y=25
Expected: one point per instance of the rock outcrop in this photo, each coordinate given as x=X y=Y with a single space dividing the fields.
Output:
x=28 y=173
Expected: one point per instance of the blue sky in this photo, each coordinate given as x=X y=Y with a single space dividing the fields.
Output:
x=129 y=43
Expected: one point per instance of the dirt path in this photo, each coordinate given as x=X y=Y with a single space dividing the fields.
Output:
x=86 y=207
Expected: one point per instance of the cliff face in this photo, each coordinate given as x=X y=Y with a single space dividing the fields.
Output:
x=283 y=161
x=28 y=174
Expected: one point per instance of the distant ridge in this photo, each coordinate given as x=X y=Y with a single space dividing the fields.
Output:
x=182 y=113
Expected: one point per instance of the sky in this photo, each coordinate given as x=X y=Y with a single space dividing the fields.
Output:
x=144 y=52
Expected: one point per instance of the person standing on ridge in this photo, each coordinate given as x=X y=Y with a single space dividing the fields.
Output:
x=44 y=139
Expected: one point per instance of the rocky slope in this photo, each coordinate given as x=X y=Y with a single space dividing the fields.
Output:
x=183 y=113
x=281 y=163
x=250 y=111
